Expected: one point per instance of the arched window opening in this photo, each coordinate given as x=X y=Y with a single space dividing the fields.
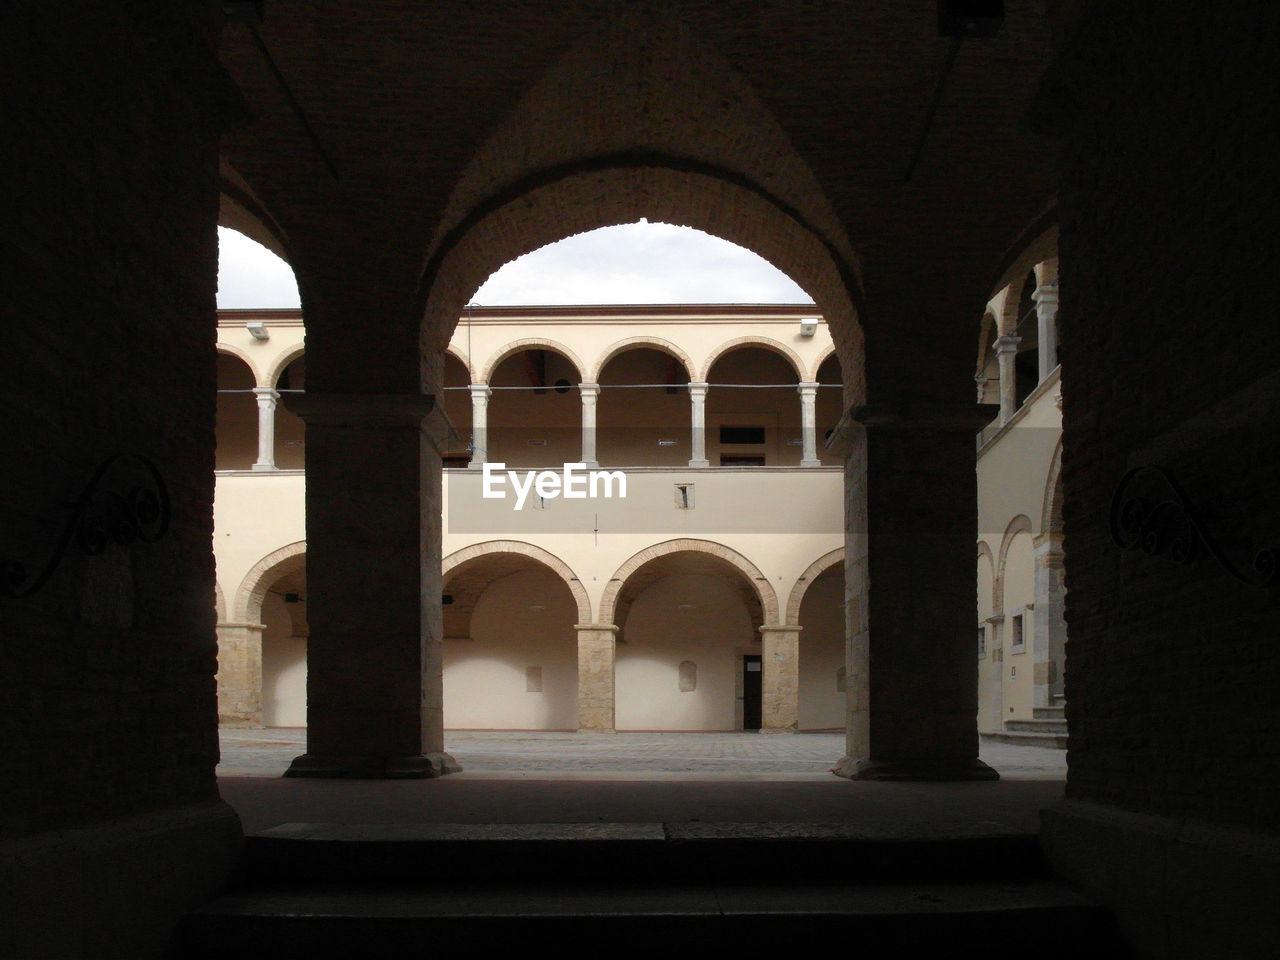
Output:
x=643 y=410
x=533 y=422
x=830 y=407
x=290 y=432
x=459 y=442
x=753 y=411
x=237 y=415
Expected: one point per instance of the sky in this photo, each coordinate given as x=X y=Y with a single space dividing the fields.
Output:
x=634 y=263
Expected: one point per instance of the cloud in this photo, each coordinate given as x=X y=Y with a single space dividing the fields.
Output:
x=639 y=263
x=634 y=263
x=250 y=275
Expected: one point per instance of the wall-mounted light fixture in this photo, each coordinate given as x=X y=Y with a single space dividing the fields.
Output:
x=808 y=327
x=258 y=330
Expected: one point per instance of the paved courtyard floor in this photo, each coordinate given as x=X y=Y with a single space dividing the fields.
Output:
x=734 y=780
x=639 y=756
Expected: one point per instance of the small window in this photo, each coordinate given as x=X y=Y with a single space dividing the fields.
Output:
x=748 y=435
x=982 y=640
x=684 y=496
x=454 y=462
x=687 y=674
x=1015 y=632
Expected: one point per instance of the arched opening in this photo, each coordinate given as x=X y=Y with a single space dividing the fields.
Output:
x=237 y=414
x=290 y=433
x=823 y=674
x=510 y=652
x=689 y=648
x=1026 y=363
x=459 y=441
x=642 y=416
x=753 y=410
x=535 y=410
x=1016 y=596
x=284 y=650
x=829 y=407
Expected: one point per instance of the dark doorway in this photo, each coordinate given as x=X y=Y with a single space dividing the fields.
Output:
x=751 y=692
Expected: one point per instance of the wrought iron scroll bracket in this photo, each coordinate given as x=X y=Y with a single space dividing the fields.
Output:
x=125 y=502
x=1150 y=512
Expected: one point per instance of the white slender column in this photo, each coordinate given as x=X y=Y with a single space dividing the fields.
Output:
x=590 y=394
x=698 y=412
x=1006 y=353
x=267 y=398
x=480 y=394
x=809 y=424
x=1046 y=300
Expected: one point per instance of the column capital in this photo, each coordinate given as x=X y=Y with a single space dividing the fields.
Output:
x=589 y=390
x=698 y=388
x=602 y=627
x=480 y=391
x=807 y=388
x=361 y=409
x=786 y=628
x=266 y=393
x=1008 y=343
x=1045 y=293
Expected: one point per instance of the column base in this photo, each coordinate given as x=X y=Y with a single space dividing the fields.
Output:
x=864 y=769
x=699 y=463
x=776 y=730
x=810 y=463
x=423 y=766
x=265 y=467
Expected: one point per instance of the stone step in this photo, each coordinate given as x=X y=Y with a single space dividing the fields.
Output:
x=1058 y=712
x=639 y=852
x=1057 y=741
x=621 y=918
x=1036 y=726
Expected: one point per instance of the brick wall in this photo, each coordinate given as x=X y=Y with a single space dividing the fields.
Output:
x=1168 y=340
x=109 y=260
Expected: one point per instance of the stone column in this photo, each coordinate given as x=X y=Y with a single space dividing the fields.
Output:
x=780 y=662
x=267 y=398
x=1049 y=626
x=596 y=648
x=590 y=393
x=809 y=424
x=1046 y=300
x=240 y=674
x=911 y=517
x=698 y=412
x=374 y=690
x=480 y=394
x=1006 y=353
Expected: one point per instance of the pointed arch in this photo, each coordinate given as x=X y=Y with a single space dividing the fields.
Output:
x=811 y=573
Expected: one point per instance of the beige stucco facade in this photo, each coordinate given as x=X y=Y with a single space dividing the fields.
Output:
x=649 y=611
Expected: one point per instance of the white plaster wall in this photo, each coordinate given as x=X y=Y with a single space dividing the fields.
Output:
x=989 y=719
x=822 y=655
x=485 y=676
x=1019 y=590
x=677 y=618
x=284 y=667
